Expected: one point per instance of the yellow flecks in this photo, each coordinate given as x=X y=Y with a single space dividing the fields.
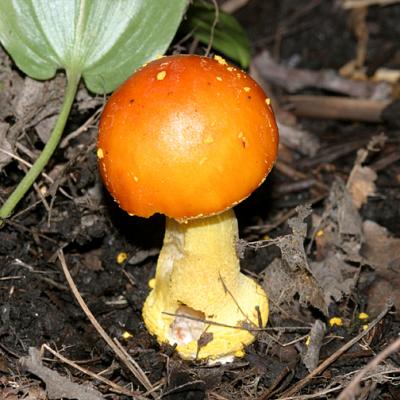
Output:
x=152 y=283
x=131 y=214
x=143 y=65
x=203 y=160
x=127 y=335
x=209 y=139
x=239 y=75
x=219 y=79
x=239 y=353
x=365 y=327
x=363 y=316
x=308 y=340
x=121 y=257
x=161 y=75
x=335 y=321
x=319 y=233
x=220 y=60
x=243 y=139
x=268 y=101
x=136 y=179
x=246 y=89
x=230 y=69
x=158 y=56
x=266 y=237
x=100 y=153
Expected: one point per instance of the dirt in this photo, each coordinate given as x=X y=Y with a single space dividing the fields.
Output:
x=36 y=303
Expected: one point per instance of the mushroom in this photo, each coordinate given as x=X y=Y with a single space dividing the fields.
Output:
x=190 y=137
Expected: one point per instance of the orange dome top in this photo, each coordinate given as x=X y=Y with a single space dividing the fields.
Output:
x=186 y=136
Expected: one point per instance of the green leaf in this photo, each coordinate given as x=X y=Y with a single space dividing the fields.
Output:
x=229 y=37
x=102 y=40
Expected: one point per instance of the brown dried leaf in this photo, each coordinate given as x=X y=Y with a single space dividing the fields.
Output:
x=311 y=356
x=10 y=85
x=44 y=128
x=204 y=339
x=283 y=285
x=340 y=226
x=380 y=249
x=382 y=252
x=85 y=101
x=4 y=145
x=360 y=183
x=283 y=279
x=38 y=101
x=57 y=386
x=335 y=277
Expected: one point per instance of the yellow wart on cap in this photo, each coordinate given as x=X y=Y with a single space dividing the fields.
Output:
x=220 y=60
x=209 y=139
x=243 y=139
x=100 y=153
x=161 y=75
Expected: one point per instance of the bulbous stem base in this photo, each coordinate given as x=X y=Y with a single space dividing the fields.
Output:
x=201 y=301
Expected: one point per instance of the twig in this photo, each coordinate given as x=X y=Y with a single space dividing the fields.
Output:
x=295 y=79
x=290 y=135
x=325 y=364
x=83 y=128
x=230 y=6
x=178 y=389
x=269 y=392
x=366 y=3
x=282 y=218
x=336 y=107
x=29 y=165
x=351 y=390
x=214 y=24
x=57 y=386
x=135 y=369
x=332 y=153
x=243 y=328
x=117 y=388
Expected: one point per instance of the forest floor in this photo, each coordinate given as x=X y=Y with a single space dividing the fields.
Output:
x=321 y=235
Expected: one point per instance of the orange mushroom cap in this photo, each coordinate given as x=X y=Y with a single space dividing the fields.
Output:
x=186 y=136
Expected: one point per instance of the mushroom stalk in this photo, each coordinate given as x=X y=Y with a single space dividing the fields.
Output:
x=201 y=301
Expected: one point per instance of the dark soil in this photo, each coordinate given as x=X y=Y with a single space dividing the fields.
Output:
x=36 y=303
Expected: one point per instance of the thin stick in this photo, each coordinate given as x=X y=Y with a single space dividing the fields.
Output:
x=29 y=165
x=231 y=6
x=351 y=390
x=117 y=388
x=83 y=128
x=299 y=385
x=366 y=3
x=336 y=107
x=214 y=24
x=135 y=369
